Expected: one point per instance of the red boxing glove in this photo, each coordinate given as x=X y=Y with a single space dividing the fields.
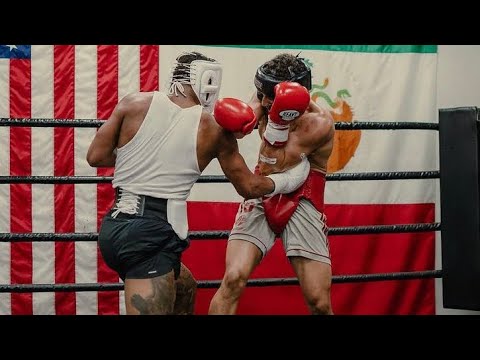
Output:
x=234 y=115
x=291 y=101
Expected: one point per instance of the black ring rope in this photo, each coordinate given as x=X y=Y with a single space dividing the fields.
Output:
x=212 y=284
x=213 y=235
x=395 y=175
x=219 y=178
x=95 y=123
x=369 y=125
x=25 y=122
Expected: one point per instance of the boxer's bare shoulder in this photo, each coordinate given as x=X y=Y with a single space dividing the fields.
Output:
x=315 y=129
x=134 y=103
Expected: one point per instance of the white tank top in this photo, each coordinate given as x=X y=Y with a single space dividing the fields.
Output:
x=161 y=159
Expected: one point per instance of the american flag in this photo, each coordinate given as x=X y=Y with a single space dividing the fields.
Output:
x=62 y=82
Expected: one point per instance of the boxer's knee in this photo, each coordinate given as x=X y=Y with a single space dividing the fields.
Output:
x=319 y=305
x=235 y=281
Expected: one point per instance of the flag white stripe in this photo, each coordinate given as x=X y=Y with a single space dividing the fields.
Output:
x=86 y=82
x=128 y=82
x=43 y=271
x=5 y=298
x=5 y=303
x=128 y=69
x=42 y=84
x=5 y=90
x=85 y=194
x=43 y=216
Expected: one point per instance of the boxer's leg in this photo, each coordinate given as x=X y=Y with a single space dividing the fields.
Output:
x=250 y=239
x=306 y=246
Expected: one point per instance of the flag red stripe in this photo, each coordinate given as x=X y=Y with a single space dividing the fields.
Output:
x=21 y=194
x=354 y=254
x=64 y=195
x=149 y=67
x=384 y=253
x=107 y=98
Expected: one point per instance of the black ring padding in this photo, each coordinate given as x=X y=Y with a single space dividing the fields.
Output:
x=95 y=123
x=212 y=284
x=396 y=175
x=213 y=235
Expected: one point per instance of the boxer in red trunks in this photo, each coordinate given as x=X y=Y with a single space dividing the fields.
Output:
x=291 y=127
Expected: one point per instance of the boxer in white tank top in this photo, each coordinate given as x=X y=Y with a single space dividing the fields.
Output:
x=159 y=144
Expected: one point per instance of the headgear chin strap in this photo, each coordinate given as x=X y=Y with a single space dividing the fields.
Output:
x=266 y=83
x=206 y=79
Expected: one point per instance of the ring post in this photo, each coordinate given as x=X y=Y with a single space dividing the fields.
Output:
x=459 y=199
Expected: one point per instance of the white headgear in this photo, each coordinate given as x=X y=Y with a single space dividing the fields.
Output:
x=204 y=76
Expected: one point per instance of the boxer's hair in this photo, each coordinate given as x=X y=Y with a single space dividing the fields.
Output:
x=182 y=68
x=284 y=66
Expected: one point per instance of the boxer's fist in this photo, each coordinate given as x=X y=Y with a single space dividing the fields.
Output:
x=234 y=115
x=291 y=101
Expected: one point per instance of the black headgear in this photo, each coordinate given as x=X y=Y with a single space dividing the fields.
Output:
x=266 y=83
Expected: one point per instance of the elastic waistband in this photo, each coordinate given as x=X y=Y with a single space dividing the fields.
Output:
x=148 y=205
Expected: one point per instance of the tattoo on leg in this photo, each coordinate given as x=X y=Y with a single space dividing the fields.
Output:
x=140 y=304
x=186 y=291
x=162 y=299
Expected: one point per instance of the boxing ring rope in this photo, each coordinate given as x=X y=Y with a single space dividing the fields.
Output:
x=395 y=175
x=94 y=123
x=214 y=235
x=217 y=235
x=213 y=284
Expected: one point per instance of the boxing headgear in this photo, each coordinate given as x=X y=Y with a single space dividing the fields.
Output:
x=206 y=79
x=204 y=76
x=266 y=83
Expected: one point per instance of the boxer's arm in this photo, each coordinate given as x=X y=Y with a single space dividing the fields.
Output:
x=101 y=152
x=247 y=184
x=260 y=113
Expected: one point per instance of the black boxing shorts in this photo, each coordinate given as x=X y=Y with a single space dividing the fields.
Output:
x=141 y=245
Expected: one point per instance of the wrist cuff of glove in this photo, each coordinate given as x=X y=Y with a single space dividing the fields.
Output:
x=276 y=135
x=278 y=182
